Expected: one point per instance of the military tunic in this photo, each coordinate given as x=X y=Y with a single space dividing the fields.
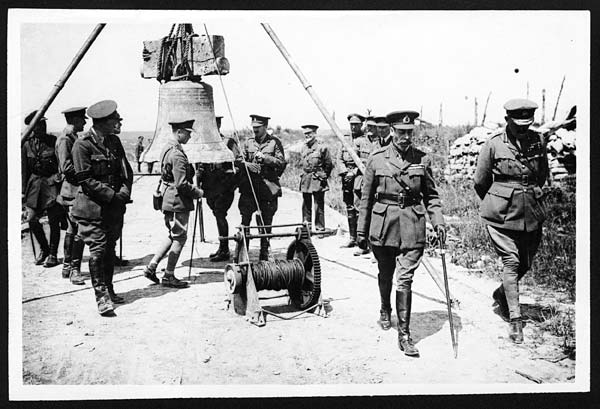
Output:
x=317 y=166
x=266 y=182
x=41 y=179
x=398 y=189
x=509 y=181
x=102 y=170
x=351 y=188
x=64 y=146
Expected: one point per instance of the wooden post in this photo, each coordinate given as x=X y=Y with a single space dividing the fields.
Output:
x=527 y=90
x=475 y=123
x=558 y=97
x=485 y=109
x=543 y=105
x=441 y=122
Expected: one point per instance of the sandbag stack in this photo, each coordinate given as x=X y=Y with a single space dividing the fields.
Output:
x=462 y=159
x=561 y=154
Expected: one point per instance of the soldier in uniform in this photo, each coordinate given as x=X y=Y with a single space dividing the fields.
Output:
x=317 y=166
x=177 y=175
x=139 y=149
x=384 y=131
x=73 y=244
x=350 y=173
x=40 y=187
x=105 y=178
x=219 y=181
x=264 y=160
x=398 y=188
x=512 y=167
x=372 y=132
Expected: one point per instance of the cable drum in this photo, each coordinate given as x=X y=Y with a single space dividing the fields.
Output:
x=278 y=275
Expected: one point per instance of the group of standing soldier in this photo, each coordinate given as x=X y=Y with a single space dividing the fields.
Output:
x=88 y=179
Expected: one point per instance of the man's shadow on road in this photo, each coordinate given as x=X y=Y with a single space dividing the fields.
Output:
x=425 y=324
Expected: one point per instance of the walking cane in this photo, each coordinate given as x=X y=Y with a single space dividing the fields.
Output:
x=121 y=251
x=193 y=238
x=201 y=221
x=448 y=302
x=32 y=243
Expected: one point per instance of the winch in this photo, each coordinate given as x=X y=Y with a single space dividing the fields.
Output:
x=299 y=274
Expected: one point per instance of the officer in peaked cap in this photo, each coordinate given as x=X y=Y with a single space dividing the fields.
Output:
x=350 y=174
x=179 y=194
x=316 y=166
x=371 y=129
x=264 y=160
x=384 y=131
x=40 y=187
x=73 y=243
x=398 y=188
x=512 y=167
x=219 y=181
x=105 y=179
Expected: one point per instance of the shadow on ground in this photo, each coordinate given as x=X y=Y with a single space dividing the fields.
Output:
x=425 y=324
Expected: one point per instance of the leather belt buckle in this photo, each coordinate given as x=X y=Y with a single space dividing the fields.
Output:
x=401 y=199
x=525 y=179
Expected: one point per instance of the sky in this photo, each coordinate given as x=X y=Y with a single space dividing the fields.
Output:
x=382 y=61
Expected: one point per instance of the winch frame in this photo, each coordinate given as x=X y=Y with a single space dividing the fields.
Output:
x=242 y=294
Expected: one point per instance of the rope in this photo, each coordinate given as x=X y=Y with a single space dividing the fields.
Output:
x=258 y=210
x=278 y=275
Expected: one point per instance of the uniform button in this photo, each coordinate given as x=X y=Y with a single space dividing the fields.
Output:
x=523 y=166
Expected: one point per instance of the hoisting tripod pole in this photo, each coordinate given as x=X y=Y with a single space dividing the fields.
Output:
x=61 y=81
x=313 y=95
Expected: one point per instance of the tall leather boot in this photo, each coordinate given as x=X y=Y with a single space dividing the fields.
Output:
x=385 y=312
x=352 y=226
x=38 y=231
x=403 y=305
x=109 y=270
x=52 y=260
x=264 y=249
x=76 y=256
x=222 y=253
x=67 y=251
x=499 y=297
x=105 y=306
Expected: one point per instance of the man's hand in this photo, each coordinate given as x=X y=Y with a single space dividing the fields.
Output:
x=440 y=229
x=259 y=156
x=362 y=242
x=253 y=167
x=121 y=198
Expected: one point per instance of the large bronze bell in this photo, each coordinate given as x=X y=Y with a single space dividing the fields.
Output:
x=195 y=99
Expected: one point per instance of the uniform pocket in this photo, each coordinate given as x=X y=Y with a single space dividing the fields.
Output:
x=99 y=165
x=378 y=216
x=496 y=203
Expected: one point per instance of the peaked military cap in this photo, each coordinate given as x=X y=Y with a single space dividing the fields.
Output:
x=75 y=112
x=309 y=128
x=218 y=117
x=181 y=123
x=355 y=118
x=381 y=121
x=402 y=119
x=521 y=110
x=370 y=120
x=29 y=117
x=104 y=110
x=259 y=120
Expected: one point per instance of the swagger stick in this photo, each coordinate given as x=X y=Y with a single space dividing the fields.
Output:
x=193 y=238
x=448 y=302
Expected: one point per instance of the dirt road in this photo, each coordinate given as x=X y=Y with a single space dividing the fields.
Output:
x=185 y=337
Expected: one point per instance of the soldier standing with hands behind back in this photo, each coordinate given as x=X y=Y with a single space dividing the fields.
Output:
x=317 y=166
x=512 y=167
x=40 y=188
x=105 y=179
x=398 y=188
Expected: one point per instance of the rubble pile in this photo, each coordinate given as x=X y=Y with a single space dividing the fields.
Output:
x=462 y=159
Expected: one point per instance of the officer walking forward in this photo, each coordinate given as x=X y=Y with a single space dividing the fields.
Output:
x=511 y=169
x=316 y=166
x=105 y=178
x=398 y=188
x=350 y=174
x=265 y=161
x=40 y=187
x=219 y=181
x=177 y=175
x=73 y=244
